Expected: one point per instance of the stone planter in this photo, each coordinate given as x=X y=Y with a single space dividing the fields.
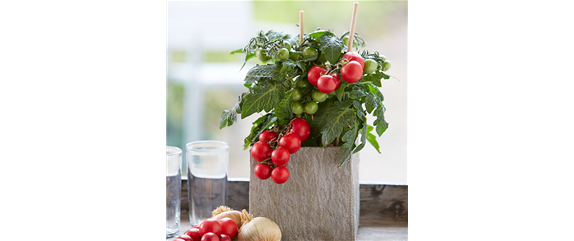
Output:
x=320 y=201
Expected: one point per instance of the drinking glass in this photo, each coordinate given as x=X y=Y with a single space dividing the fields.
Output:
x=173 y=190
x=207 y=163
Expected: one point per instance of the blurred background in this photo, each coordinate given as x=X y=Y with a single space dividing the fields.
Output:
x=203 y=79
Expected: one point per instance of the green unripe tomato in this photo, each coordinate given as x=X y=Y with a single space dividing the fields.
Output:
x=287 y=45
x=319 y=96
x=308 y=51
x=311 y=107
x=302 y=84
x=283 y=54
x=386 y=65
x=262 y=55
x=296 y=95
x=370 y=66
x=297 y=108
x=346 y=41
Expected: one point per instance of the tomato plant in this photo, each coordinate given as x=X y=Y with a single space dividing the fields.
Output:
x=332 y=88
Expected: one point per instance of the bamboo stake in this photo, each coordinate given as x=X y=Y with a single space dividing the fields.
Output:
x=353 y=22
x=301 y=27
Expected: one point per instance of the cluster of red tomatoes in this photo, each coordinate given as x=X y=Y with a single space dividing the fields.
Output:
x=274 y=149
x=351 y=72
x=211 y=230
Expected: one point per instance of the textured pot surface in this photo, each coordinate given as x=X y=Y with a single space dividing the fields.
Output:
x=320 y=201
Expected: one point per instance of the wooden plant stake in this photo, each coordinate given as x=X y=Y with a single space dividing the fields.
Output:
x=353 y=22
x=301 y=27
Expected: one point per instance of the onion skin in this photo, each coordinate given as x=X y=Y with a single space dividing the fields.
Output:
x=259 y=229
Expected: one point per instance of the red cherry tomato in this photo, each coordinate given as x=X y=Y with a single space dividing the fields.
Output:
x=224 y=237
x=210 y=237
x=327 y=84
x=314 y=74
x=352 y=72
x=228 y=227
x=267 y=135
x=193 y=233
x=185 y=237
x=196 y=226
x=210 y=225
x=301 y=128
x=280 y=175
x=280 y=156
x=291 y=142
x=352 y=56
x=262 y=171
x=261 y=151
x=336 y=76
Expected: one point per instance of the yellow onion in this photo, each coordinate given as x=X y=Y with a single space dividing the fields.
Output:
x=258 y=229
x=225 y=212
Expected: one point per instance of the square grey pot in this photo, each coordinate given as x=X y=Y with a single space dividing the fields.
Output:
x=319 y=201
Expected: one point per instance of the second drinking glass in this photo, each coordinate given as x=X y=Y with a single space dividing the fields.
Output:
x=207 y=163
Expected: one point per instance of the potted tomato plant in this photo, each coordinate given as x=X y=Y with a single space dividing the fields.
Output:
x=313 y=96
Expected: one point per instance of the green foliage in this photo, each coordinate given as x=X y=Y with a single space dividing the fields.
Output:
x=340 y=119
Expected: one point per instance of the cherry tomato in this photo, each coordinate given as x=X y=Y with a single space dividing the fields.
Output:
x=328 y=84
x=267 y=135
x=303 y=84
x=185 y=237
x=287 y=45
x=195 y=226
x=280 y=175
x=346 y=41
x=352 y=72
x=319 y=96
x=297 y=108
x=386 y=65
x=283 y=54
x=309 y=51
x=290 y=141
x=280 y=156
x=261 y=151
x=295 y=55
x=314 y=73
x=296 y=95
x=350 y=56
x=228 y=226
x=301 y=128
x=194 y=233
x=311 y=107
x=210 y=237
x=336 y=76
x=370 y=66
x=224 y=237
x=262 y=171
x=210 y=225
x=262 y=55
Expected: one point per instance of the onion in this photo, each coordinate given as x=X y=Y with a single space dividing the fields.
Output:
x=258 y=229
x=225 y=212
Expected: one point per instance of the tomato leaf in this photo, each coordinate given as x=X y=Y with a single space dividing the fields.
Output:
x=373 y=140
x=261 y=72
x=283 y=110
x=349 y=141
x=258 y=127
x=380 y=123
x=247 y=57
x=374 y=78
x=363 y=139
x=228 y=117
x=331 y=119
x=331 y=47
x=371 y=102
x=262 y=99
x=341 y=90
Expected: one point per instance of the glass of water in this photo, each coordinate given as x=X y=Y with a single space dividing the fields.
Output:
x=207 y=163
x=173 y=190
